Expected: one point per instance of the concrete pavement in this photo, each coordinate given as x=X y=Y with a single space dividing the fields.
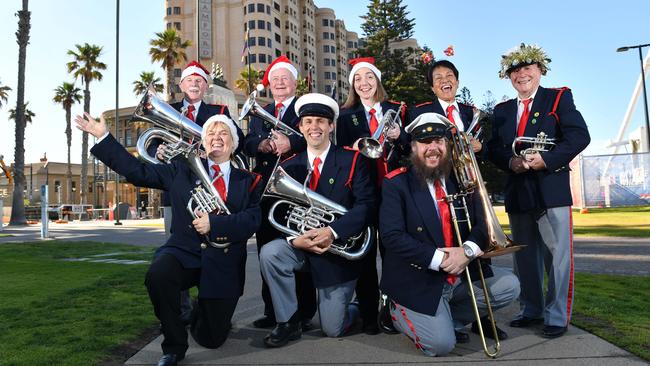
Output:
x=245 y=347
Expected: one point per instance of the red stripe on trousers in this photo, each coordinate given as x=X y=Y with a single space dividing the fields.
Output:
x=570 y=294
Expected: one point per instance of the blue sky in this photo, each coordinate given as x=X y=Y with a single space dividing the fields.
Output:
x=581 y=38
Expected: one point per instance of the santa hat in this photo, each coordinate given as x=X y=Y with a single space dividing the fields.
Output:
x=195 y=68
x=281 y=62
x=358 y=63
x=229 y=122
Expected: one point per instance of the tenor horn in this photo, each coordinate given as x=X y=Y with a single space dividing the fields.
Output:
x=300 y=209
x=252 y=109
x=373 y=146
x=524 y=145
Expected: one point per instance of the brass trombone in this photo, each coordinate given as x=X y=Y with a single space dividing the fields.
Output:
x=470 y=181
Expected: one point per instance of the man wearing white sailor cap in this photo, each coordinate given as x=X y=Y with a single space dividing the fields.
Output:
x=340 y=175
x=421 y=251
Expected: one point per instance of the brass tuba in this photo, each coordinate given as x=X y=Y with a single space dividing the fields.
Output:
x=373 y=146
x=300 y=209
x=252 y=108
x=469 y=179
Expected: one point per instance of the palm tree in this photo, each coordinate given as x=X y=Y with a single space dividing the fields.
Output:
x=146 y=78
x=243 y=83
x=67 y=94
x=169 y=49
x=22 y=37
x=28 y=115
x=3 y=94
x=85 y=64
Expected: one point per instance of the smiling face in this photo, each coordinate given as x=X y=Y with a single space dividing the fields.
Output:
x=525 y=80
x=365 y=84
x=283 y=84
x=218 y=142
x=445 y=83
x=193 y=86
x=316 y=131
x=431 y=152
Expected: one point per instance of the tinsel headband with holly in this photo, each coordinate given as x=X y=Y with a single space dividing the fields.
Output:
x=522 y=56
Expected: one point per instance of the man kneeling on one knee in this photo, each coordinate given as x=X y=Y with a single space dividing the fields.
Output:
x=423 y=265
x=340 y=176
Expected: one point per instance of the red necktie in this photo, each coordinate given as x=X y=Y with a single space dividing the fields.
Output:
x=218 y=182
x=445 y=220
x=278 y=109
x=521 y=127
x=190 y=112
x=315 y=175
x=450 y=113
x=381 y=163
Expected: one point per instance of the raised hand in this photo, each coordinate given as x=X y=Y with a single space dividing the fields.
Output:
x=97 y=129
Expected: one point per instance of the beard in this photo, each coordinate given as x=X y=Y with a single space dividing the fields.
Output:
x=427 y=174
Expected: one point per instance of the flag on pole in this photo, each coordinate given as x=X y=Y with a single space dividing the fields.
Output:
x=333 y=90
x=245 y=48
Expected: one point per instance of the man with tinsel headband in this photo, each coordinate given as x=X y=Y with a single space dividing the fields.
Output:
x=538 y=194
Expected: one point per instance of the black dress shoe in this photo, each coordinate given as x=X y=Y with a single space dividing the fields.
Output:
x=385 y=321
x=282 y=334
x=525 y=321
x=552 y=331
x=371 y=328
x=169 y=359
x=264 y=322
x=461 y=337
x=307 y=325
x=487 y=329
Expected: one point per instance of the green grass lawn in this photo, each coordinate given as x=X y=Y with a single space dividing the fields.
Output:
x=623 y=221
x=615 y=308
x=70 y=312
x=3 y=235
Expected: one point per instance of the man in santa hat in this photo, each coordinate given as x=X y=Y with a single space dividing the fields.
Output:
x=266 y=145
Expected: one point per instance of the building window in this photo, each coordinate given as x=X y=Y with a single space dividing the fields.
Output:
x=177 y=10
x=177 y=25
x=251 y=24
x=169 y=11
x=129 y=135
x=327 y=62
x=251 y=8
x=278 y=38
x=333 y=62
x=268 y=25
x=327 y=75
x=326 y=48
x=169 y=25
x=260 y=8
x=253 y=58
x=325 y=22
x=331 y=23
x=277 y=23
x=261 y=41
x=276 y=6
x=326 y=35
x=333 y=49
x=251 y=41
x=331 y=35
x=260 y=24
x=177 y=73
x=328 y=88
x=262 y=58
x=269 y=43
x=349 y=44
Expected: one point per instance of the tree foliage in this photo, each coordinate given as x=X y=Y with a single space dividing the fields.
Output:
x=246 y=84
x=169 y=48
x=4 y=94
x=67 y=94
x=465 y=96
x=140 y=86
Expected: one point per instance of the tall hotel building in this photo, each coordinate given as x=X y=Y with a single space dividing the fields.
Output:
x=311 y=37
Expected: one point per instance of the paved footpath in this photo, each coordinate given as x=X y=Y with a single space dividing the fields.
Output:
x=245 y=347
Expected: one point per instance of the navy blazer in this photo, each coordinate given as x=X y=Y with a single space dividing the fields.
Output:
x=535 y=191
x=344 y=179
x=353 y=124
x=259 y=130
x=466 y=111
x=410 y=231
x=222 y=270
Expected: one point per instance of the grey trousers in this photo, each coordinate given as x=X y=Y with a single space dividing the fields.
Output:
x=278 y=261
x=434 y=335
x=549 y=241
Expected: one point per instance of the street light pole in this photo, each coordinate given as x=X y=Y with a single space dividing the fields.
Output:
x=645 y=97
x=117 y=104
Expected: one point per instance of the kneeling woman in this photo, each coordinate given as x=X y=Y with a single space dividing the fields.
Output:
x=181 y=263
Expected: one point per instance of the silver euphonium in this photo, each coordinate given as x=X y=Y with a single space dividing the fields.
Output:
x=524 y=145
x=253 y=109
x=373 y=146
x=300 y=209
x=174 y=129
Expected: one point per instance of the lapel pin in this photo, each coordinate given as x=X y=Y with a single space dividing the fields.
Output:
x=197 y=182
x=331 y=180
x=534 y=121
x=354 y=120
x=536 y=114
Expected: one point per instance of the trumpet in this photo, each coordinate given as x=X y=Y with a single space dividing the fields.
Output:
x=252 y=108
x=540 y=143
x=301 y=209
x=373 y=146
